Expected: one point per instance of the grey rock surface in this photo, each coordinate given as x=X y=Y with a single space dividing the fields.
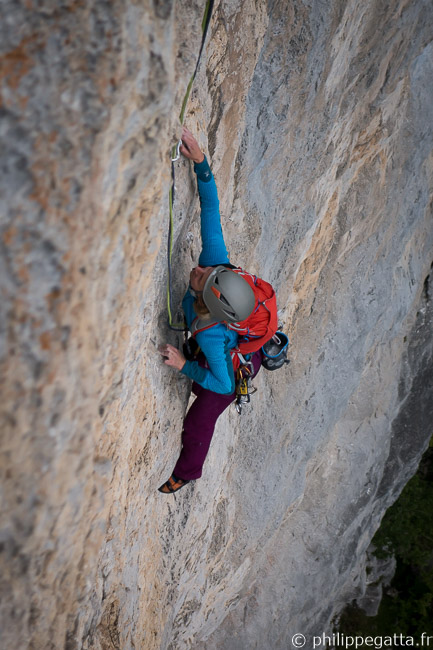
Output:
x=380 y=575
x=318 y=121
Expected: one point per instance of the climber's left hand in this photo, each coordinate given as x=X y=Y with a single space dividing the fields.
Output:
x=173 y=356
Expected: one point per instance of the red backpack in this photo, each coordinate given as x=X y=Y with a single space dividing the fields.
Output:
x=259 y=327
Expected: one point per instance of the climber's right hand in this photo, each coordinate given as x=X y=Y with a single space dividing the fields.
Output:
x=189 y=147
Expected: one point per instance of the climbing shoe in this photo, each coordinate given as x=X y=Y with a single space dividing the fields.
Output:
x=172 y=485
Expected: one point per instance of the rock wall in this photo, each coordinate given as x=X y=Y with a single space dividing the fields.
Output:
x=317 y=118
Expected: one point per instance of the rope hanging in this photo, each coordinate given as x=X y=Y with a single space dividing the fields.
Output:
x=175 y=155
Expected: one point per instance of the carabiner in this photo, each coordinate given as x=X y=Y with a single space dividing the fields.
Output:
x=177 y=151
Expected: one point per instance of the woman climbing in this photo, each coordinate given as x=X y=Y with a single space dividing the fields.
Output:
x=216 y=293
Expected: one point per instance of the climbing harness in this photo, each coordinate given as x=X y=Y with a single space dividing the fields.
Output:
x=175 y=155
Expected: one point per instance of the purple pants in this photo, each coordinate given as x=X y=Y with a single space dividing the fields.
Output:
x=199 y=425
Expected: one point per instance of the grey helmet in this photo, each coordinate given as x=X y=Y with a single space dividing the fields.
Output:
x=228 y=296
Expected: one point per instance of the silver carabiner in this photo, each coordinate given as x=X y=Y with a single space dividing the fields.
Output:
x=177 y=151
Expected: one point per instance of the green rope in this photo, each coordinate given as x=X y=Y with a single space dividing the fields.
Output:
x=204 y=26
x=185 y=99
x=170 y=251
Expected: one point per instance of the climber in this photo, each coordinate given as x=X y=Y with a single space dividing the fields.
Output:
x=215 y=294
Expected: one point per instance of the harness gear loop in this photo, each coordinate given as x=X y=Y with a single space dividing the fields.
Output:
x=243 y=388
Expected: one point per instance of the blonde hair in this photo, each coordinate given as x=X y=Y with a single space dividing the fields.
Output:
x=200 y=307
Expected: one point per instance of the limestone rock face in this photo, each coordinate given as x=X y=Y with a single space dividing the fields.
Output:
x=317 y=119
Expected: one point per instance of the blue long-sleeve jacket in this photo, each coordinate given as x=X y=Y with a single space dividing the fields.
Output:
x=217 y=341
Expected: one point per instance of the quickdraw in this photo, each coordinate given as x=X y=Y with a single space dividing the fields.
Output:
x=243 y=386
x=177 y=152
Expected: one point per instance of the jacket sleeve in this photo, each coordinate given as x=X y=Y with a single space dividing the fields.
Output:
x=214 y=250
x=219 y=377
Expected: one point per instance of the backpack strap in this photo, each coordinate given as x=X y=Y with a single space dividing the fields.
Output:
x=201 y=324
